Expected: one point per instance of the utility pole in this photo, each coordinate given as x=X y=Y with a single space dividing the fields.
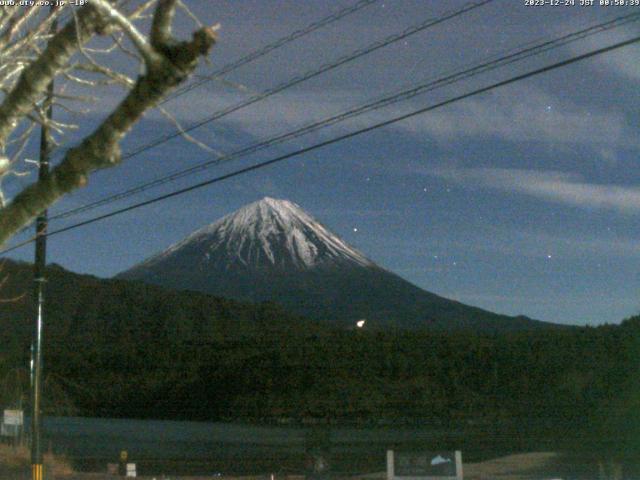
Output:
x=37 y=470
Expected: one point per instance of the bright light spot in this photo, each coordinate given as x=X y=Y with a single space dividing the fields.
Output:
x=355 y=229
x=548 y=256
x=360 y=323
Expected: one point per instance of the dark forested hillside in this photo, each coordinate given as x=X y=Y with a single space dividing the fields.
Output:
x=116 y=348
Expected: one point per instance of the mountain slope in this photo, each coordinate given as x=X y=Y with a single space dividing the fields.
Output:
x=273 y=250
x=269 y=234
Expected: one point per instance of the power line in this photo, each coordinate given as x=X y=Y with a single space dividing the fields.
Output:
x=312 y=27
x=313 y=73
x=340 y=138
x=517 y=55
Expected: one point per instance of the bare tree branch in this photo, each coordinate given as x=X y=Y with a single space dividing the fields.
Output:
x=36 y=77
x=161 y=26
x=139 y=40
x=186 y=136
x=171 y=63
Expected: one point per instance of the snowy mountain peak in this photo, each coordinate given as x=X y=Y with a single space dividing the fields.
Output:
x=272 y=250
x=266 y=233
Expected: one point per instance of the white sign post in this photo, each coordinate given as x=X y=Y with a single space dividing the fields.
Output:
x=11 y=425
x=13 y=417
x=131 y=470
x=424 y=465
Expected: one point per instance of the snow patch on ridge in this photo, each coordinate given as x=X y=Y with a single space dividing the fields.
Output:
x=267 y=232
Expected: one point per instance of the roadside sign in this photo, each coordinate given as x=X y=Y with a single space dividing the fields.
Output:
x=13 y=417
x=435 y=465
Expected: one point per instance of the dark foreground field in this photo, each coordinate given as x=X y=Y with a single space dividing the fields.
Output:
x=527 y=466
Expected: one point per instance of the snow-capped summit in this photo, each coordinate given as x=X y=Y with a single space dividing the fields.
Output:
x=266 y=233
x=272 y=250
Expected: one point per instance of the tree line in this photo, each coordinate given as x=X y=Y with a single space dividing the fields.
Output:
x=124 y=349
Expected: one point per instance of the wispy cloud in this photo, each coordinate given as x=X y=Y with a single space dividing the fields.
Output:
x=622 y=62
x=528 y=114
x=625 y=62
x=559 y=187
x=510 y=115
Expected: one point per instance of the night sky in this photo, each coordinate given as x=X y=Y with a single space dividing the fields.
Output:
x=523 y=200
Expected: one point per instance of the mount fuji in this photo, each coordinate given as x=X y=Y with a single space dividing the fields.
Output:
x=272 y=250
